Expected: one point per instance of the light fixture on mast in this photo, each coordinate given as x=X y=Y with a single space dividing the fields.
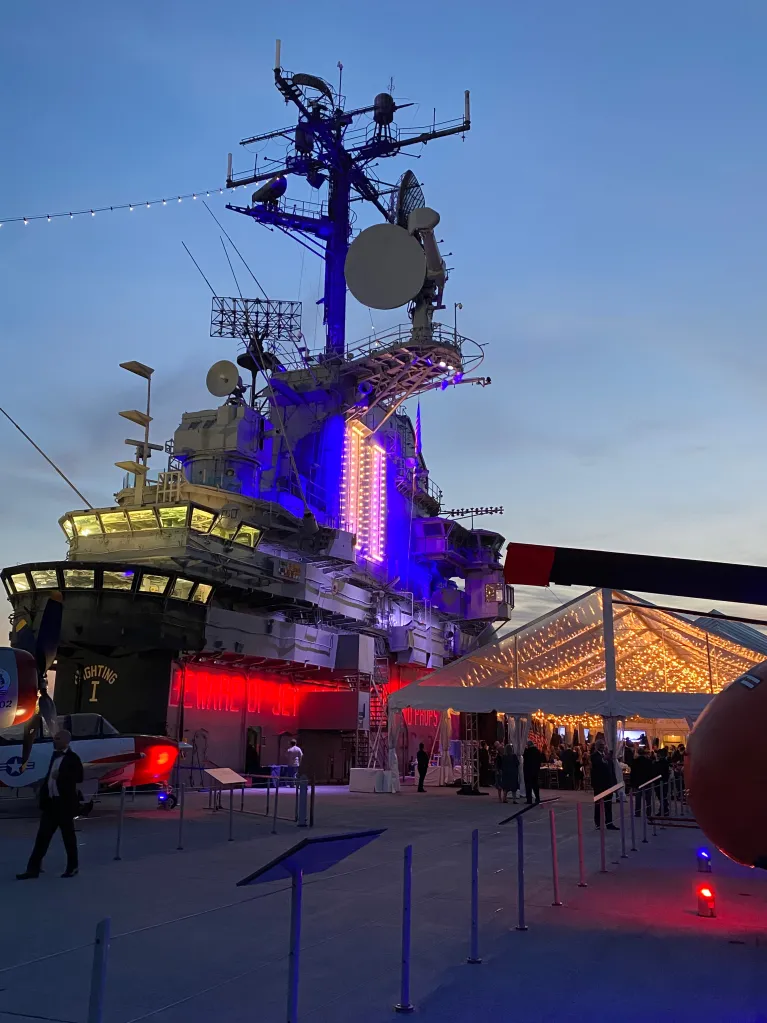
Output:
x=138 y=466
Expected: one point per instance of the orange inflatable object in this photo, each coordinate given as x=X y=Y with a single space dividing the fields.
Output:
x=726 y=769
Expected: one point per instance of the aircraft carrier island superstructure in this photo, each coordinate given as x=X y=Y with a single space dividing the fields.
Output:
x=291 y=565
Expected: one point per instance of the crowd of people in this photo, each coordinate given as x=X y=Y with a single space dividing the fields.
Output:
x=583 y=765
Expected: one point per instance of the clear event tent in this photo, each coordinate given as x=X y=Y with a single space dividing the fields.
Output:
x=606 y=653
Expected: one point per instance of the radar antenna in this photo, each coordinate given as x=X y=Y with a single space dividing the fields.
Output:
x=329 y=146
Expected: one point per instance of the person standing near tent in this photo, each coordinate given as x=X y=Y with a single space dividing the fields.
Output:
x=602 y=778
x=422 y=763
x=531 y=766
x=509 y=773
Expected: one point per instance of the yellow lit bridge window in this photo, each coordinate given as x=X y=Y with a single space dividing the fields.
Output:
x=248 y=536
x=202 y=520
x=20 y=582
x=86 y=525
x=118 y=580
x=45 y=579
x=182 y=588
x=154 y=584
x=173 y=517
x=202 y=593
x=142 y=518
x=115 y=522
x=78 y=578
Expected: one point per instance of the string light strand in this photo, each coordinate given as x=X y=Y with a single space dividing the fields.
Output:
x=130 y=206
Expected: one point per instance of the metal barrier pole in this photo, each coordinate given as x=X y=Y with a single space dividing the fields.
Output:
x=181 y=792
x=231 y=814
x=404 y=1004
x=474 y=943
x=643 y=797
x=242 y=798
x=295 y=808
x=99 y=972
x=268 y=793
x=295 y=945
x=632 y=818
x=654 y=816
x=521 y=925
x=276 y=801
x=118 y=849
x=554 y=862
x=301 y=814
x=602 y=850
x=581 y=863
x=311 y=806
x=622 y=794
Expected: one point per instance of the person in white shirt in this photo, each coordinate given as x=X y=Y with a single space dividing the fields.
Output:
x=295 y=755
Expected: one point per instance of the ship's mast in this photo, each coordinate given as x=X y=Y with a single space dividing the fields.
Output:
x=323 y=151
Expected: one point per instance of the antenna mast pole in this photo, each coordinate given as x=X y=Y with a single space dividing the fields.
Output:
x=317 y=153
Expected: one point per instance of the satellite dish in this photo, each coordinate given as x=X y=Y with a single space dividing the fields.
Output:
x=385 y=267
x=222 y=378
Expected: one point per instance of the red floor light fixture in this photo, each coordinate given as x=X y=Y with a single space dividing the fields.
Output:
x=706 y=902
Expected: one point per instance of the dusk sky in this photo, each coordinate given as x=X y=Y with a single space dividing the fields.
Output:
x=606 y=215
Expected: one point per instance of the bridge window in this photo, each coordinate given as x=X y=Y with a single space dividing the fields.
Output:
x=202 y=519
x=248 y=536
x=45 y=579
x=154 y=584
x=173 y=517
x=118 y=580
x=115 y=522
x=182 y=588
x=142 y=518
x=20 y=582
x=202 y=593
x=86 y=525
x=78 y=578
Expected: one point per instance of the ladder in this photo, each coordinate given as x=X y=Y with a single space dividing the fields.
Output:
x=379 y=714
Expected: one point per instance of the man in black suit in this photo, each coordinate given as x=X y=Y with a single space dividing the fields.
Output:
x=531 y=766
x=422 y=763
x=59 y=803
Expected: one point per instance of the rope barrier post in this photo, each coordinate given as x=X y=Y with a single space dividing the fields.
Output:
x=295 y=808
x=643 y=798
x=554 y=861
x=242 y=798
x=622 y=794
x=99 y=972
x=474 y=943
x=632 y=818
x=118 y=848
x=268 y=792
x=521 y=925
x=581 y=859
x=231 y=813
x=311 y=806
x=404 y=1004
x=276 y=801
x=602 y=850
x=294 y=962
x=654 y=816
x=181 y=801
x=301 y=814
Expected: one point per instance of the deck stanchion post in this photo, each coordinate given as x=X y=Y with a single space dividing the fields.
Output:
x=99 y=972
x=622 y=794
x=632 y=819
x=119 y=846
x=474 y=942
x=521 y=925
x=276 y=801
x=554 y=861
x=581 y=858
x=602 y=849
x=405 y=1005
x=181 y=801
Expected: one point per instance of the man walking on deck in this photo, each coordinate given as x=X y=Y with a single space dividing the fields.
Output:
x=531 y=766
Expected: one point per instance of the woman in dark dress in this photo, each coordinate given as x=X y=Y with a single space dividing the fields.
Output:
x=509 y=773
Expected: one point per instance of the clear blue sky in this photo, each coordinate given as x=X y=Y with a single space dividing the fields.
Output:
x=607 y=216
